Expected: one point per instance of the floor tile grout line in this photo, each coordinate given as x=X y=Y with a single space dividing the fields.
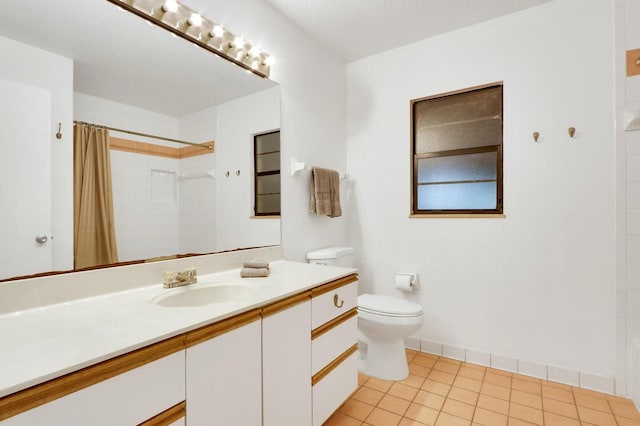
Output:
x=542 y=396
x=457 y=375
x=615 y=419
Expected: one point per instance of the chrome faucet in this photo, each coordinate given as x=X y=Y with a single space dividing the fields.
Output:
x=173 y=279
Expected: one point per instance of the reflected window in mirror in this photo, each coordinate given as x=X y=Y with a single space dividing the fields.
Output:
x=266 y=154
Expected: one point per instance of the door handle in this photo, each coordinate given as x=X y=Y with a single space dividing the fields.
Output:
x=41 y=239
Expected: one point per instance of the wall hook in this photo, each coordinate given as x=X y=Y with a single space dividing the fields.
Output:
x=59 y=134
x=536 y=136
x=226 y=173
x=572 y=132
x=237 y=172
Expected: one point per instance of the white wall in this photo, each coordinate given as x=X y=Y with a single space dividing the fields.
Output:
x=198 y=201
x=628 y=194
x=145 y=222
x=198 y=197
x=313 y=118
x=238 y=121
x=538 y=285
x=29 y=65
x=122 y=116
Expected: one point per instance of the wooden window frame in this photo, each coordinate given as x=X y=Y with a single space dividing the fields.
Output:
x=257 y=174
x=498 y=149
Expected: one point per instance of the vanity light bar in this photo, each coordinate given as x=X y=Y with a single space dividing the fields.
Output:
x=190 y=25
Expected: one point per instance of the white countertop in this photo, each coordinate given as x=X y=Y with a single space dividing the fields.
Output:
x=44 y=343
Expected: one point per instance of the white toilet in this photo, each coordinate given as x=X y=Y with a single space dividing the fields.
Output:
x=383 y=322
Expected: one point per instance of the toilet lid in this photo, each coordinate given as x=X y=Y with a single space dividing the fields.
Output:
x=387 y=305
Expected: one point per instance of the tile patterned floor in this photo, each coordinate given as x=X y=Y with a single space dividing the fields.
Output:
x=445 y=392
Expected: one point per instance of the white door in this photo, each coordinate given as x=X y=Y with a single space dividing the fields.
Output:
x=25 y=179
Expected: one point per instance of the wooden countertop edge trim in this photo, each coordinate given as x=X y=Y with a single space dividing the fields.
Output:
x=333 y=364
x=325 y=288
x=167 y=417
x=287 y=303
x=333 y=323
x=217 y=328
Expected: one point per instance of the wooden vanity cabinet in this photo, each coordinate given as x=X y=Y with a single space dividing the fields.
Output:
x=224 y=373
x=289 y=363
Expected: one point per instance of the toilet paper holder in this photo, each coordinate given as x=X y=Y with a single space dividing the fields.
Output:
x=406 y=281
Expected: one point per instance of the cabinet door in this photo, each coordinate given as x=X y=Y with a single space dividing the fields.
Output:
x=223 y=379
x=127 y=399
x=286 y=357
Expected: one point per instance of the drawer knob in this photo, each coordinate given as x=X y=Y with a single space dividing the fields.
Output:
x=335 y=301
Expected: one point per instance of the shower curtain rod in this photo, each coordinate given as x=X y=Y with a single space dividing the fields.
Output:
x=131 y=132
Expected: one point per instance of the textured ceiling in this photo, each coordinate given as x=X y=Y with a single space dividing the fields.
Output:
x=354 y=29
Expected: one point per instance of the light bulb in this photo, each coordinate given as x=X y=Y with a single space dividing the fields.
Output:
x=255 y=51
x=170 y=6
x=239 y=42
x=270 y=61
x=217 y=31
x=195 y=20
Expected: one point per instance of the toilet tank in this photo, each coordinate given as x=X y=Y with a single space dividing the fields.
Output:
x=332 y=256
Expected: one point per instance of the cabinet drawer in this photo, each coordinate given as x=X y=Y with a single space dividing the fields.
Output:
x=333 y=389
x=328 y=346
x=333 y=303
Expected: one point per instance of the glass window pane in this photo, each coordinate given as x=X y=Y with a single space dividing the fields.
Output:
x=481 y=166
x=473 y=105
x=267 y=162
x=471 y=134
x=269 y=184
x=269 y=142
x=268 y=204
x=458 y=196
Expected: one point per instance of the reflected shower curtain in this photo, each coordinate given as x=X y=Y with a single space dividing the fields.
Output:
x=94 y=230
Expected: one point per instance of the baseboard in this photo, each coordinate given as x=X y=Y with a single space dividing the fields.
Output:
x=575 y=378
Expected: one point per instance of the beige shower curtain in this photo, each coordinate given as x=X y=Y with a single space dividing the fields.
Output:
x=94 y=231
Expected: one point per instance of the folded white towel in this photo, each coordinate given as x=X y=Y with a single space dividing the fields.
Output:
x=256 y=263
x=254 y=272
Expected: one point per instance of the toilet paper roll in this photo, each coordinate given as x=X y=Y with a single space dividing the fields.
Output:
x=403 y=282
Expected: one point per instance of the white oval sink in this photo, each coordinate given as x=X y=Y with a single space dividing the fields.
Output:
x=200 y=295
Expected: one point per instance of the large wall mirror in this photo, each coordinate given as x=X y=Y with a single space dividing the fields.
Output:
x=89 y=61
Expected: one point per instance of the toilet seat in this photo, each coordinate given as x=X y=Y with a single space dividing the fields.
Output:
x=380 y=304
